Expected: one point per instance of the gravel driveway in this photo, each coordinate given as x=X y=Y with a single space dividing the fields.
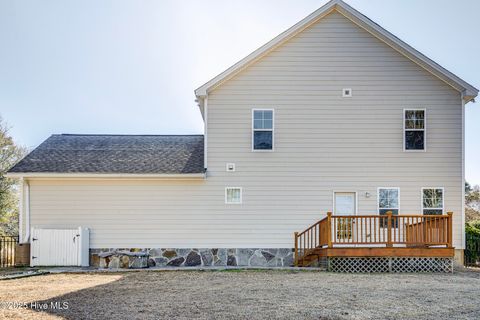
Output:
x=250 y=294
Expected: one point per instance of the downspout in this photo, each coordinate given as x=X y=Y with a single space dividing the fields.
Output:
x=27 y=211
x=20 y=210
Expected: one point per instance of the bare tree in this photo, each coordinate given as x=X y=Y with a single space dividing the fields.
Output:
x=10 y=153
x=472 y=203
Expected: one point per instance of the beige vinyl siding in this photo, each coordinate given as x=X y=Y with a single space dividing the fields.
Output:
x=147 y=214
x=323 y=142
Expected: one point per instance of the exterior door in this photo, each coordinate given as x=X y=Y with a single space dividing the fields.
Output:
x=345 y=205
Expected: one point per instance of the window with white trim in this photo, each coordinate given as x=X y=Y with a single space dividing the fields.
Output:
x=414 y=129
x=262 y=129
x=432 y=200
x=233 y=195
x=388 y=200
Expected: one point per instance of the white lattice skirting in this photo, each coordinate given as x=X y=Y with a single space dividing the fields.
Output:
x=386 y=264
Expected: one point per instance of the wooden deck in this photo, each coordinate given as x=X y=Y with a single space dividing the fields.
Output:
x=375 y=236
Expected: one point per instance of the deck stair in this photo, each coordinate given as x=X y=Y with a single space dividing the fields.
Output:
x=374 y=237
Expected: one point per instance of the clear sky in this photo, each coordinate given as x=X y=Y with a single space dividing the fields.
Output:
x=116 y=66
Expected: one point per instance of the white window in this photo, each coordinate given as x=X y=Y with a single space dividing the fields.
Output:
x=233 y=195
x=432 y=200
x=262 y=129
x=414 y=129
x=388 y=200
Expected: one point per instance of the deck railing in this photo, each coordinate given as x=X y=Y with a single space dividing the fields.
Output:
x=375 y=230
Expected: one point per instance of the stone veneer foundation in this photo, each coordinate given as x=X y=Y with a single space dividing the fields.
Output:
x=159 y=257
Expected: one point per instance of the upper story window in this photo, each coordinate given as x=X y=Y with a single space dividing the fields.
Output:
x=432 y=200
x=262 y=133
x=414 y=129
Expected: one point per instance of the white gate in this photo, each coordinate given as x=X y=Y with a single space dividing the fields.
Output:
x=59 y=247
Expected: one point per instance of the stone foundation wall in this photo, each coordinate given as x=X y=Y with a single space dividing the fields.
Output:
x=159 y=257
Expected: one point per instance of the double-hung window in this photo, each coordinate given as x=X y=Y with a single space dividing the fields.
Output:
x=414 y=129
x=388 y=200
x=262 y=129
x=432 y=200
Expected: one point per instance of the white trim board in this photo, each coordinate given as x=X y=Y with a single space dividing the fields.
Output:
x=469 y=92
x=48 y=175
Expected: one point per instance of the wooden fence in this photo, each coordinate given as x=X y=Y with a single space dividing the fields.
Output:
x=7 y=251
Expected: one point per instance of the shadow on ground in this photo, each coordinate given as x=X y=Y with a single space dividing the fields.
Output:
x=275 y=295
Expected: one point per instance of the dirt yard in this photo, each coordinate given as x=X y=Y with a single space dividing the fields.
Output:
x=242 y=295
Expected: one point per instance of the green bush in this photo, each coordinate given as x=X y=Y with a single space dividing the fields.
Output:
x=472 y=235
x=473 y=228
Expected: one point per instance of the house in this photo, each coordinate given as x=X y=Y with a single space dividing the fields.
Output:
x=335 y=115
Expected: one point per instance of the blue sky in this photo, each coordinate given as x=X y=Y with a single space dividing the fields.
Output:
x=131 y=66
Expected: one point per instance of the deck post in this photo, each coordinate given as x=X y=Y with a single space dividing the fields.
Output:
x=295 y=234
x=389 y=229
x=450 y=229
x=329 y=229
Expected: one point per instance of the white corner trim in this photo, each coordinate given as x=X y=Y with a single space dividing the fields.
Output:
x=115 y=176
x=463 y=173
x=205 y=132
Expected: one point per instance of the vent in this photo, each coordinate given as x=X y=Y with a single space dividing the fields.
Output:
x=346 y=92
x=230 y=167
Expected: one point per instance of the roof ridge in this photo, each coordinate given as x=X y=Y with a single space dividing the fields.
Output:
x=468 y=91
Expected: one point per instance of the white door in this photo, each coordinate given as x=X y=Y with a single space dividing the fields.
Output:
x=345 y=205
x=53 y=247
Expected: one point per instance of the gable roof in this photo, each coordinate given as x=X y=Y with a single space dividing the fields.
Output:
x=115 y=154
x=468 y=91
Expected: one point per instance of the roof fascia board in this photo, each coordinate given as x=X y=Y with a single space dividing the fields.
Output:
x=266 y=48
x=407 y=50
x=115 y=176
x=361 y=20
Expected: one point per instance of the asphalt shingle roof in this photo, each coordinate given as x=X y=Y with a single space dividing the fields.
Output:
x=153 y=154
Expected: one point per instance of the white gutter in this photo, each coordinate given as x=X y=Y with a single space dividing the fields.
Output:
x=48 y=175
